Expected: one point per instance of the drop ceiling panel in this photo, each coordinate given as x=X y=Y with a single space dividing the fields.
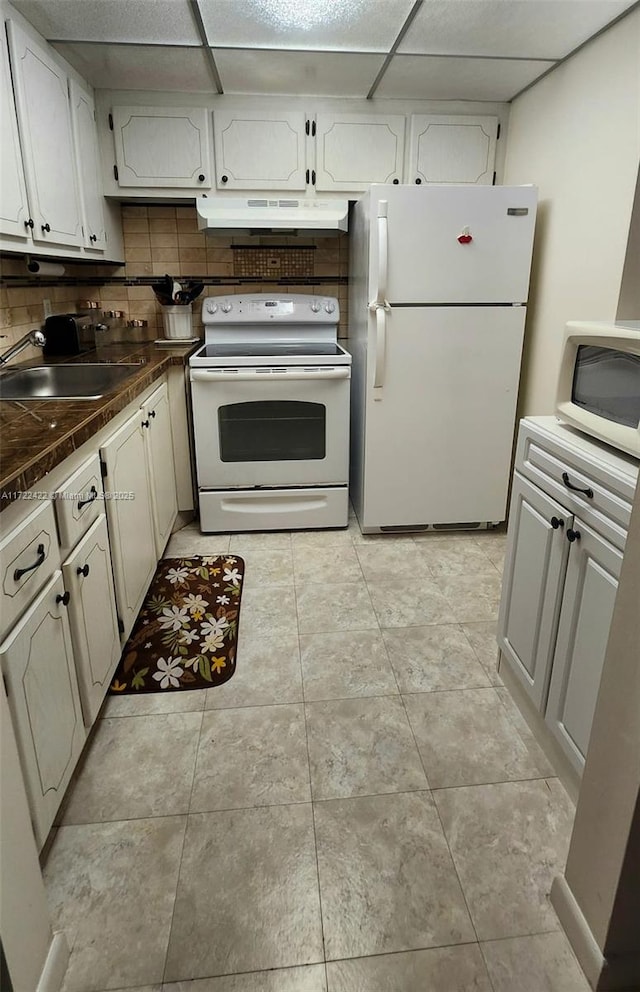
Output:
x=313 y=73
x=137 y=67
x=331 y=25
x=548 y=29
x=139 y=21
x=436 y=78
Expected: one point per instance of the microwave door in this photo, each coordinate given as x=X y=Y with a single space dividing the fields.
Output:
x=606 y=383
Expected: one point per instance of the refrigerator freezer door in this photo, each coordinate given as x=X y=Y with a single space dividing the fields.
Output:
x=439 y=433
x=454 y=244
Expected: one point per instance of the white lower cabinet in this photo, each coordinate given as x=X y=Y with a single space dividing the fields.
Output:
x=38 y=668
x=161 y=465
x=130 y=516
x=564 y=555
x=92 y=616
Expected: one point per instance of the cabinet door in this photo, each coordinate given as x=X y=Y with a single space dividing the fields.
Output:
x=590 y=590
x=92 y=616
x=129 y=516
x=86 y=146
x=162 y=472
x=37 y=664
x=537 y=552
x=259 y=150
x=46 y=137
x=14 y=209
x=162 y=146
x=452 y=149
x=354 y=150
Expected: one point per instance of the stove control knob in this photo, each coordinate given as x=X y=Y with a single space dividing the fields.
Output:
x=211 y=307
x=315 y=306
x=226 y=307
x=329 y=306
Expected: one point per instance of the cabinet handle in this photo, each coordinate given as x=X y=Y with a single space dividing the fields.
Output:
x=19 y=572
x=313 y=177
x=45 y=227
x=152 y=413
x=396 y=182
x=418 y=181
x=93 y=237
x=83 y=571
x=307 y=177
x=29 y=223
x=93 y=494
x=576 y=489
x=573 y=535
x=224 y=179
x=556 y=522
x=145 y=423
x=201 y=177
x=64 y=598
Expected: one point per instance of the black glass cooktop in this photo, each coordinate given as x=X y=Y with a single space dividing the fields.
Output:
x=282 y=349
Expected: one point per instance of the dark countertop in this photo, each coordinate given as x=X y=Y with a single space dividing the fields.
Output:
x=37 y=435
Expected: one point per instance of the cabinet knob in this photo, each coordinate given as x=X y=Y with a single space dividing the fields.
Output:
x=396 y=182
x=64 y=598
x=556 y=522
x=201 y=177
x=573 y=535
x=83 y=571
x=29 y=223
x=45 y=227
x=145 y=423
x=418 y=181
x=93 y=237
x=224 y=179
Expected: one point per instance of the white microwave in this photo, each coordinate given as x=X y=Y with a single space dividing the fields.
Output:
x=599 y=382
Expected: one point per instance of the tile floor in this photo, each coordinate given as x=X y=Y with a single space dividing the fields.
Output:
x=358 y=810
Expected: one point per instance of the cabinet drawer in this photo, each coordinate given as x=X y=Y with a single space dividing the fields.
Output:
x=79 y=503
x=581 y=485
x=28 y=557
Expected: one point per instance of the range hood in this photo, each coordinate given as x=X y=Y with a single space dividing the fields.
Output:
x=286 y=216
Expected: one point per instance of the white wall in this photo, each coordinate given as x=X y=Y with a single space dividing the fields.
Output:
x=576 y=135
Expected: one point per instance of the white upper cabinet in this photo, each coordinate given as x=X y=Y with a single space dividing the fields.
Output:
x=44 y=119
x=162 y=146
x=14 y=209
x=259 y=150
x=452 y=149
x=353 y=150
x=86 y=150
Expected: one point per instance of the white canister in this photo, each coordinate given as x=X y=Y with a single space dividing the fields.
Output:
x=177 y=321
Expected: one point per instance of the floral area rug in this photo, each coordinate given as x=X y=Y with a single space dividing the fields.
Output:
x=186 y=633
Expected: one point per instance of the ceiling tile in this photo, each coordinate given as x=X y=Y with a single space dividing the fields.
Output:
x=139 y=21
x=330 y=25
x=139 y=67
x=530 y=29
x=436 y=78
x=315 y=73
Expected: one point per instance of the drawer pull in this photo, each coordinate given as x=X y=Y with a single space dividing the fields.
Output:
x=83 y=571
x=63 y=598
x=573 y=535
x=93 y=494
x=556 y=522
x=576 y=489
x=19 y=572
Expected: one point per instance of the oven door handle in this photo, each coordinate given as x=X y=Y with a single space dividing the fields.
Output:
x=250 y=375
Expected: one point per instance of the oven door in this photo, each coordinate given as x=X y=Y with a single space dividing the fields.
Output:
x=271 y=427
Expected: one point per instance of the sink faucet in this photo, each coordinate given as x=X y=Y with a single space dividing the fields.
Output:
x=35 y=338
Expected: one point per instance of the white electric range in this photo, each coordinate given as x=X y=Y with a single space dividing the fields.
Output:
x=270 y=398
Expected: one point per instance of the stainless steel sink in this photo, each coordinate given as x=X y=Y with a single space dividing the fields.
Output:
x=63 y=382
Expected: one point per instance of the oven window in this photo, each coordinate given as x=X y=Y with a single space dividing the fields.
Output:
x=272 y=431
x=606 y=382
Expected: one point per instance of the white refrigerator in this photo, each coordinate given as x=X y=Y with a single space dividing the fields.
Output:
x=439 y=278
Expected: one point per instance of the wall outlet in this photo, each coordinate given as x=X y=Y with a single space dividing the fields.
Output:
x=47 y=309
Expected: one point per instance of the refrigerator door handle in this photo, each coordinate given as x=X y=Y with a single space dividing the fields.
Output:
x=381 y=348
x=383 y=252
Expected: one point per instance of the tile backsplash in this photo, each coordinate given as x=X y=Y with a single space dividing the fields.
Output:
x=166 y=239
